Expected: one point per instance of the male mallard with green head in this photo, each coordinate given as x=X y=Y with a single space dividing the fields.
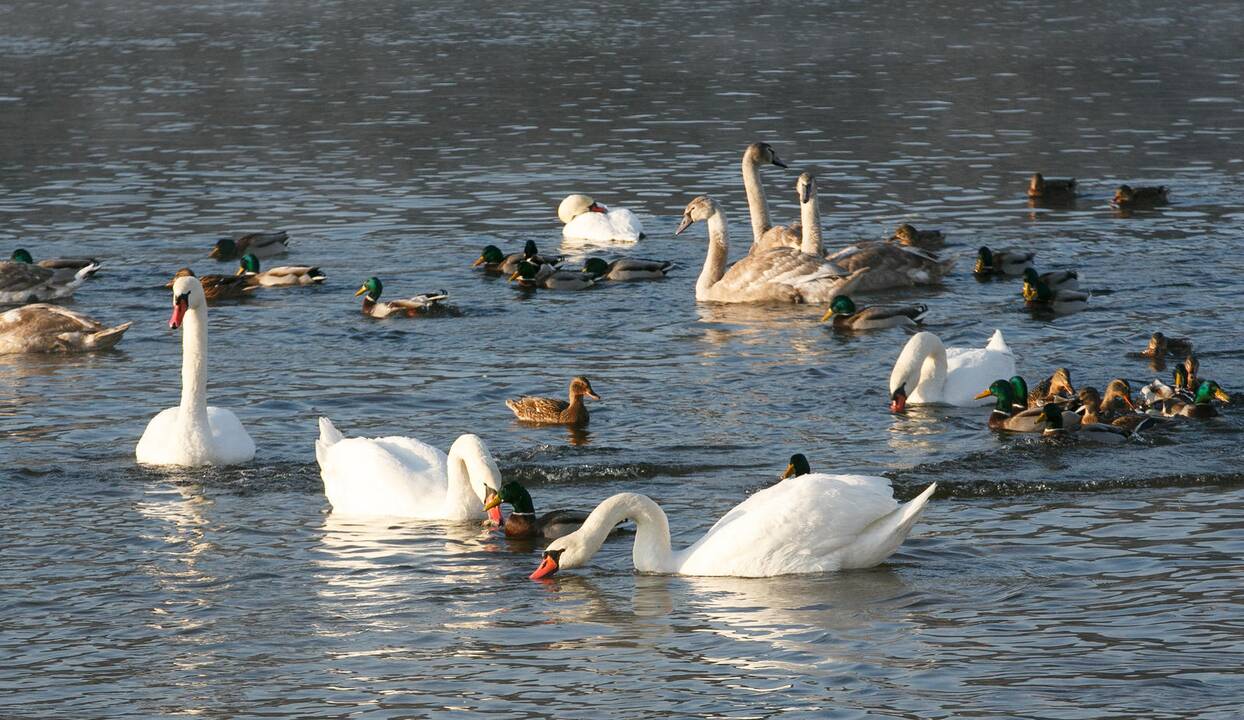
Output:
x=530 y=275
x=283 y=276
x=522 y=521
x=872 y=317
x=625 y=269
x=494 y=261
x=411 y=307
x=1002 y=262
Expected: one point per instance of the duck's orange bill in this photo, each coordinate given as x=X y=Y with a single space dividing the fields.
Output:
x=898 y=403
x=179 y=312
x=494 y=514
x=548 y=566
x=983 y=394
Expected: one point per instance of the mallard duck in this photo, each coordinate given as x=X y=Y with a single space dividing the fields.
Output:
x=66 y=267
x=522 y=521
x=217 y=287
x=530 y=275
x=551 y=411
x=1007 y=414
x=1054 y=280
x=1039 y=296
x=873 y=317
x=283 y=276
x=626 y=268
x=1157 y=390
x=907 y=234
x=257 y=244
x=1117 y=399
x=1002 y=262
x=1057 y=388
x=1161 y=346
x=41 y=328
x=25 y=283
x=1050 y=189
x=1129 y=197
x=1201 y=406
x=1053 y=419
x=586 y=219
x=1192 y=371
x=411 y=307
x=1090 y=409
x=495 y=261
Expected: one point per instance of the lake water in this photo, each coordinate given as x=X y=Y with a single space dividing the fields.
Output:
x=396 y=140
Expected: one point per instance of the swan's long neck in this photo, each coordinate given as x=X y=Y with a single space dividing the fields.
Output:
x=652 y=530
x=921 y=365
x=471 y=471
x=194 y=368
x=810 y=218
x=715 y=261
x=757 y=205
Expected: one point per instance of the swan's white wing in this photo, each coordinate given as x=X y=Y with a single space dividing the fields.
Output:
x=391 y=476
x=626 y=225
x=969 y=371
x=618 y=225
x=779 y=274
x=804 y=524
x=231 y=444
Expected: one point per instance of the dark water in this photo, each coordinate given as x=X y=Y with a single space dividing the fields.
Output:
x=1045 y=581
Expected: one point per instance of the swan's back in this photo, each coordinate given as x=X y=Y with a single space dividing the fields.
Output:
x=806 y=524
x=971 y=370
x=618 y=225
x=390 y=476
x=780 y=273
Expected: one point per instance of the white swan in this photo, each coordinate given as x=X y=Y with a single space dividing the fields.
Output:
x=807 y=524
x=928 y=373
x=403 y=477
x=780 y=274
x=764 y=234
x=193 y=433
x=586 y=219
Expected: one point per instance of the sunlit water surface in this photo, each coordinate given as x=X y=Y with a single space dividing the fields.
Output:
x=393 y=140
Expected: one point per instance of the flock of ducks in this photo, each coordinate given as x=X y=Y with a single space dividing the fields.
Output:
x=807 y=522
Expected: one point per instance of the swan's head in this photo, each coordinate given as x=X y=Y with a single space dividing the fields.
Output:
x=841 y=305
x=22 y=255
x=248 y=264
x=491 y=255
x=568 y=551
x=575 y=205
x=580 y=386
x=797 y=466
x=187 y=295
x=224 y=249
x=373 y=287
x=482 y=471
x=699 y=209
x=984 y=261
x=805 y=187
x=762 y=154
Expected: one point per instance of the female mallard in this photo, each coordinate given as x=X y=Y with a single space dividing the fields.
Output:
x=530 y=275
x=551 y=411
x=1138 y=197
x=872 y=317
x=626 y=268
x=412 y=307
x=66 y=267
x=522 y=521
x=1041 y=188
x=1002 y=262
x=283 y=276
x=1117 y=400
x=1161 y=346
x=1201 y=406
x=43 y=328
x=907 y=234
x=1091 y=404
x=22 y=282
x=217 y=287
x=494 y=261
x=1057 y=388
x=257 y=244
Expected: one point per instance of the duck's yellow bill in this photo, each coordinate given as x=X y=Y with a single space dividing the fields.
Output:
x=361 y=291
x=983 y=394
x=790 y=470
x=828 y=314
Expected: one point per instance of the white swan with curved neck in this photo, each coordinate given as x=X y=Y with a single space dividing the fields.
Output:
x=193 y=433
x=765 y=235
x=403 y=477
x=807 y=524
x=586 y=219
x=780 y=274
x=929 y=373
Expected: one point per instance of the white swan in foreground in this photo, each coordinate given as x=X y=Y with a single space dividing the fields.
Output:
x=781 y=274
x=929 y=373
x=193 y=433
x=403 y=477
x=765 y=235
x=586 y=219
x=807 y=524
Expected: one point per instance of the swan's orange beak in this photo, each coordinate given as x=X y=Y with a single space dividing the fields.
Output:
x=180 y=304
x=548 y=566
x=492 y=506
x=898 y=401
x=597 y=207
x=983 y=394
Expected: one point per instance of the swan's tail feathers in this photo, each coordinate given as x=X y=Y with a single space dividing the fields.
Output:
x=329 y=436
x=997 y=342
x=105 y=339
x=883 y=536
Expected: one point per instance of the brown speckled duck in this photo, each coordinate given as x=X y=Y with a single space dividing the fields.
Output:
x=217 y=287
x=907 y=234
x=258 y=244
x=42 y=328
x=1138 y=197
x=1042 y=188
x=1161 y=345
x=551 y=411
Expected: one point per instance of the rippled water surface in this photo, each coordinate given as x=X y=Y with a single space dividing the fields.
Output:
x=396 y=140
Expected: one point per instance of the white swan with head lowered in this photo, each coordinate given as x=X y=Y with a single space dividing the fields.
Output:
x=586 y=219
x=193 y=433
x=929 y=373
x=781 y=274
x=403 y=477
x=807 y=524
